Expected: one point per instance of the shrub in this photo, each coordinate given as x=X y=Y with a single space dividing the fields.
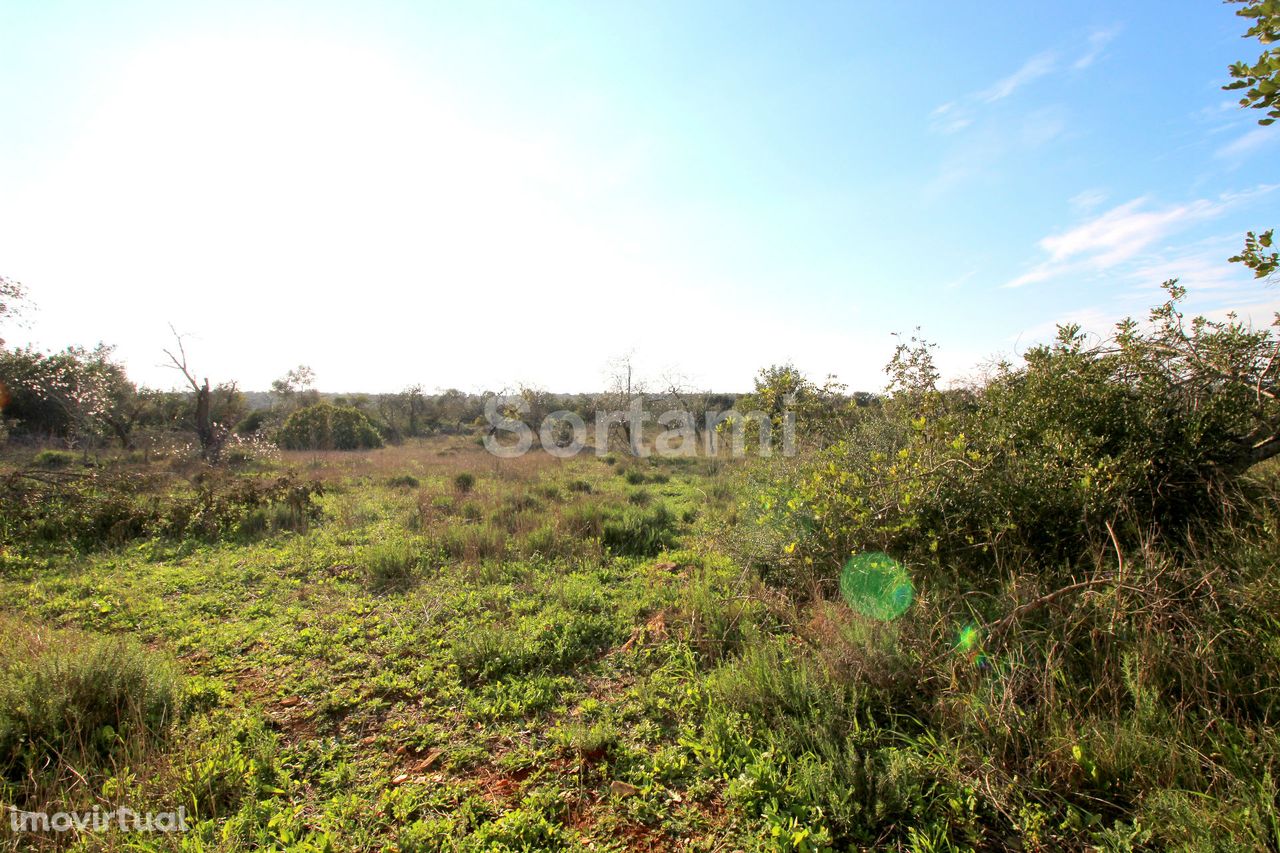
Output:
x=640 y=533
x=547 y=540
x=464 y=482
x=1048 y=460
x=110 y=508
x=328 y=427
x=53 y=459
x=227 y=760
x=586 y=521
x=403 y=481
x=472 y=542
x=78 y=699
x=253 y=422
x=392 y=564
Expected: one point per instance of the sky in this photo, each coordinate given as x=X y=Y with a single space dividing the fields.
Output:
x=484 y=195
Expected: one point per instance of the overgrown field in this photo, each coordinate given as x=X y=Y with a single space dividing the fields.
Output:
x=452 y=650
x=425 y=647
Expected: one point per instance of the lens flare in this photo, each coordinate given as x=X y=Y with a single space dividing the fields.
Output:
x=969 y=645
x=968 y=638
x=876 y=585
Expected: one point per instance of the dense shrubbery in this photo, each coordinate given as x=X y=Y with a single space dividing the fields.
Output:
x=328 y=427
x=1143 y=436
x=105 y=508
x=1095 y=558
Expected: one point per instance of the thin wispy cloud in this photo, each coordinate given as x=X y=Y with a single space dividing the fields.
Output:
x=1086 y=200
x=1098 y=41
x=950 y=118
x=1112 y=237
x=1215 y=289
x=958 y=114
x=1043 y=126
x=1123 y=231
x=989 y=149
x=1033 y=69
x=1244 y=145
x=1121 y=234
x=1098 y=322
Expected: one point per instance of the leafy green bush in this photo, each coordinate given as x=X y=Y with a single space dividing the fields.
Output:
x=1088 y=536
x=1049 y=461
x=586 y=520
x=228 y=761
x=253 y=421
x=328 y=427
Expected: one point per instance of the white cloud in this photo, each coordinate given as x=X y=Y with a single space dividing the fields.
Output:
x=950 y=118
x=1098 y=322
x=1098 y=41
x=1123 y=231
x=1246 y=144
x=1033 y=69
x=956 y=115
x=1095 y=321
x=1113 y=237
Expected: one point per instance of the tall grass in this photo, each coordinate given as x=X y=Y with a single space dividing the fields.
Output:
x=70 y=704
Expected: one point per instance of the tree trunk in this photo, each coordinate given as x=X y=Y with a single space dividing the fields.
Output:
x=204 y=426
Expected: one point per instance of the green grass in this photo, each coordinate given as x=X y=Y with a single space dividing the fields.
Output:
x=542 y=661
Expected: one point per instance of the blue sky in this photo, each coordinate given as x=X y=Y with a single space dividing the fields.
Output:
x=478 y=195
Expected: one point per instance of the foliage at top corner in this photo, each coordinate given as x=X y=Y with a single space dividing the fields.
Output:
x=1260 y=79
x=1261 y=82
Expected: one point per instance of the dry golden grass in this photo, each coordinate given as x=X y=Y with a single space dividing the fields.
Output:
x=437 y=457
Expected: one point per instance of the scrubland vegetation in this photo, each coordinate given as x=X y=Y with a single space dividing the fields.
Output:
x=422 y=646
x=1040 y=611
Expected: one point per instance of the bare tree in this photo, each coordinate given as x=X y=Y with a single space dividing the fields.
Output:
x=211 y=434
x=682 y=396
x=623 y=387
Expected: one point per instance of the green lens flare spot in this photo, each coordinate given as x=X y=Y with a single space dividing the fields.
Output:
x=968 y=638
x=876 y=585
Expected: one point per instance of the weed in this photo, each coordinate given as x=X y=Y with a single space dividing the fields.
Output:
x=392 y=564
